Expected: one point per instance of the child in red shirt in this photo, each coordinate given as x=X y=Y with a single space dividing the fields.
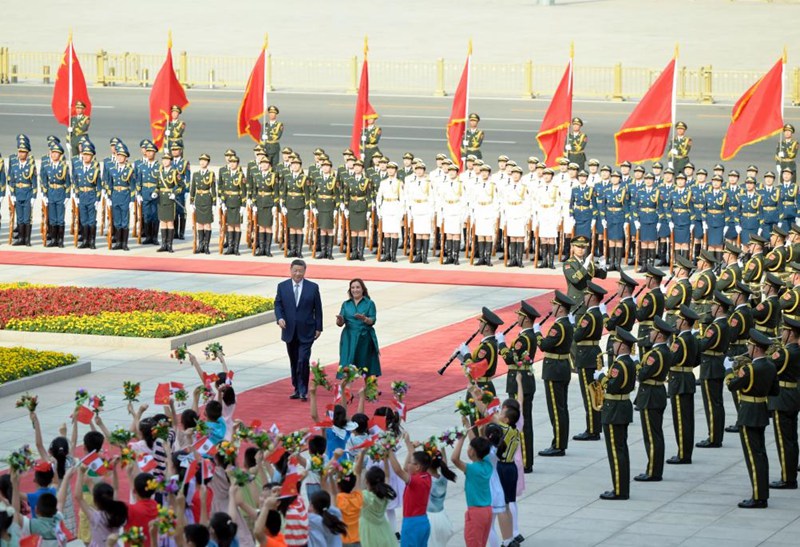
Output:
x=144 y=509
x=416 y=529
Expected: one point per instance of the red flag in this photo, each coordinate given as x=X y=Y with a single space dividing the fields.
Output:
x=552 y=135
x=364 y=110
x=70 y=87
x=457 y=124
x=478 y=368
x=95 y=462
x=289 y=487
x=84 y=414
x=254 y=102
x=276 y=455
x=164 y=392
x=377 y=424
x=167 y=91
x=758 y=114
x=644 y=135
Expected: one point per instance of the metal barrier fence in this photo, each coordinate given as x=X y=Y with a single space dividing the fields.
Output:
x=439 y=77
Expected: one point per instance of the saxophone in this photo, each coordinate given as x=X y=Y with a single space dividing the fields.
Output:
x=597 y=391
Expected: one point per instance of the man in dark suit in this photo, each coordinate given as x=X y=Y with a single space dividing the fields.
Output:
x=298 y=309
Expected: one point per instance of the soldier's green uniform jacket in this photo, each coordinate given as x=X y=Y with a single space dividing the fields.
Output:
x=233 y=192
x=251 y=170
x=703 y=293
x=373 y=135
x=486 y=350
x=682 y=146
x=169 y=183
x=173 y=132
x=753 y=272
x=767 y=316
x=358 y=195
x=777 y=259
x=685 y=356
x=577 y=277
x=652 y=306
x=620 y=380
x=728 y=277
x=789 y=157
x=404 y=172
x=790 y=303
x=740 y=322
x=296 y=194
x=755 y=382
x=556 y=345
x=264 y=196
x=624 y=316
x=576 y=148
x=474 y=140
x=80 y=127
x=587 y=336
x=714 y=346
x=787 y=365
x=283 y=171
x=377 y=176
x=273 y=131
x=679 y=295
x=326 y=197
x=513 y=356
x=203 y=195
x=652 y=375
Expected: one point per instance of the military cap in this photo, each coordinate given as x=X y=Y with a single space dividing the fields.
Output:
x=235 y=159
x=638 y=169
x=577 y=120
x=24 y=146
x=446 y=161
x=752 y=167
x=231 y=152
x=774 y=280
x=166 y=156
x=533 y=159
x=624 y=336
x=511 y=163
x=471 y=157
x=790 y=323
x=733 y=173
x=287 y=150
x=488 y=316
x=452 y=167
x=755 y=238
x=563 y=300
x=580 y=242
x=347 y=151
x=408 y=156
x=688 y=313
x=143 y=143
x=391 y=165
x=616 y=174
x=708 y=257
x=702 y=171
x=150 y=147
x=786 y=170
x=296 y=159
x=441 y=156
x=681 y=125
x=122 y=149
x=719 y=167
x=383 y=159
x=548 y=171
x=349 y=158
x=573 y=165
x=259 y=148
x=528 y=310
x=757 y=338
x=176 y=108
x=717 y=177
x=420 y=165
x=583 y=173
x=502 y=157
x=594 y=288
x=87 y=148
x=176 y=145
x=689 y=165
x=788 y=127
x=625 y=279
x=326 y=162
x=721 y=298
x=325 y=156
x=650 y=176
x=486 y=167
x=684 y=262
x=680 y=176
x=663 y=326
x=475 y=117
x=204 y=157
x=56 y=147
x=264 y=160
x=795 y=229
x=478 y=162
x=113 y=141
x=750 y=180
x=52 y=138
x=741 y=288
x=605 y=168
x=80 y=104
x=23 y=137
x=516 y=169
x=769 y=175
x=273 y=109
x=658 y=165
x=731 y=248
x=778 y=231
x=82 y=138
x=670 y=171
x=563 y=161
x=625 y=163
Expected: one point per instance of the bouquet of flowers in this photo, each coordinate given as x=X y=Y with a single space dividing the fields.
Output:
x=319 y=377
x=179 y=353
x=348 y=374
x=134 y=536
x=293 y=442
x=377 y=452
x=213 y=351
x=431 y=446
x=181 y=396
x=121 y=437
x=450 y=437
x=399 y=388
x=126 y=456
x=227 y=450
x=240 y=477
x=389 y=440
x=371 y=388
x=244 y=433
x=465 y=408
x=30 y=402
x=20 y=460
x=262 y=440
x=524 y=360
x=166 y=521
x=201 y=428
x=487 y=397
x=156 y=484
x=97 y=403
x=161 y=430
x=316 y=464
x=131 y=391
x=81 y=397
x=340 y=469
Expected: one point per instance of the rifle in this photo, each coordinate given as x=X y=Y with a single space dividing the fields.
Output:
x=406 y=235
x=285 y=235
x=223 y=227
x=73 y=226
x=347 y=235
x=194 y=231
x=249 y=235
x=538 y=249
x=594 y=235
x=12 y=211
x=626 y=243
x=472 y=243
x=636 y=250
x=314 y=232
x=672 y=251
x=343 y=240
x=335 y=227
x=441 y=247
x=505 y=245
x=380 y=238
x=410 y=242
x=455 y=353
x=103 y=216
x=45 y=222
x=527 y=234
x=605 y=244
x=110 y=233
x=139 y=222
x=372 y=229
x=561 y=241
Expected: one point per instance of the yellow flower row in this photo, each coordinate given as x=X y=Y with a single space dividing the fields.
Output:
x=142 y=324
x=19 y=362
x=21 y=285
x=233 y=306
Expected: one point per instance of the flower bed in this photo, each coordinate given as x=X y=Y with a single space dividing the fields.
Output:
x=19 y=362
x=119 y=312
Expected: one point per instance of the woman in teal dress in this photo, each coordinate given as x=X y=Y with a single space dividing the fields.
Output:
x=358 y=344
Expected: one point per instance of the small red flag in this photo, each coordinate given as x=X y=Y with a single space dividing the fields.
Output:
x=254 y=102
x=478 y=369
x=377 y=424
x=164 y=392
x=364 y=110
x=70 y=87
x=167 y=91
x=276 y=455
x=366 y=444
x=84 y=414
x=289 y=487
x=457 y=124
x=552 y=135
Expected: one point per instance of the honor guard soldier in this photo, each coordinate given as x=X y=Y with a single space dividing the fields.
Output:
x=556 y=371
x=754 y=268
x=776 y=260
x=790 y=301
x=731 y=272
x=680 y=218
x=473 y=138
x=645 y=211
x=575 y=147
x=181 y=166
x=122 y=193
x=295 y=197
x=548 y=216
x=109 y=162
x=618 y=380
x=713 y=349
x=600 y=190
x=516 y=211
x=520 y=357
x=755 y=382
x=370 y=138
x=651 y=400
x=175 y=128
x=785 y=406
x=583 y=207
x=357 y=196
x=680 y=292
x=451 y=198
x=55 y=190
x=45 y=161
x=679 y=150
x=588 y=331
x=624 y=314
x=390 y=207
x=770 y=204
x=651 y=304
x=146 y=183
x=23 y=189
x=326 y=196
x=704 y=285
x=484 y=216
x=419 y=197
x=740 y=322
x=233 y=195
x=168 y=184
x=202 y=200
x=284 y=167
x=786 y=155
x=78 y=127
x=685 y=351
x=789 y=199
x=271 y=136
x=486 y=351
x=733 y=226
x=699 y=191
x=767 y=314
x=86 y=185
x=750 y=210
x=716 y=215
x=614 y=219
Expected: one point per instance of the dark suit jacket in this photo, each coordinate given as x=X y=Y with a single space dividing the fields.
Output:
x=302 y=319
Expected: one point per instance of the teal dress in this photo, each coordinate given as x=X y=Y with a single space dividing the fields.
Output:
x=358 y=344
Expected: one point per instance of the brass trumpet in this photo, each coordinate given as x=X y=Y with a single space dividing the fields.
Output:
x=597 y=391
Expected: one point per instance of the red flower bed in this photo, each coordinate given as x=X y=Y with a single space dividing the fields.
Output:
x=47 y=301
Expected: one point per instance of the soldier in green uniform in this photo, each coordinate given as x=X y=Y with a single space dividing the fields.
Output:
x=681 y=387
x=295 y=199
x=232 y=194
x=713 y=348
x=790 y=301
x=325 y=196
x=370 y=138
x=357 y=195
x=588 y=331
x=776 y=260
x=624 y=314
x=271 y=136
x=678 y=154
x=575 y=148
x=756 y=382
x=754 y=267
x=704 y=285
x=731 y=272
x=202 y=200
x=78 y=127
x=651 y=399
x=284 y=167
x=175 y=128
x=740 y=322
x=168 y=185
x=486 y=351
x=767 y=314
x=265 y=192
x=556 y=371
x=651 y=304
x=473 y=138
x=681 y=291
x=786 y=405
x=579 y=269
x=786 y=154
x=618 y=380
x=520 y=357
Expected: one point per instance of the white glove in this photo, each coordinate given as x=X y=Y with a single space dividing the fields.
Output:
x=13 y=198
x=463 y=349
x=674 y=152
x=568 y=148
x=587 y=261
x=139 y=198
x=255 y=209
x=604 y=223
x=363 y=138
x=241 y=211
x=166 y=133
x=738 y=229
x=635 y=358
x=637 y=224
x=663 y=289
x=705 y=225
x=347 y=213
x=603 y=308
x=102 y=193
x=671 y=226
x=274 y=210
x=571 y=318
x=594 y=222
x=695 y=331
x=780 y=154
x=600 y=373
x=66 y=202
x=691 y=229
x=172 y=197
x=341 y=207
x=625 y=225
x=537 y=328
x=284 y=210
x=154 y=195
x=315 y=211
x=500 y=337
x=760 y=230
x=44 y=200
x=223 y=207
x=69 y=130
x=728 y=364
x=130 y=207
x=602 y=263
x=97 y=206
x=658 y=226
x=249 y=202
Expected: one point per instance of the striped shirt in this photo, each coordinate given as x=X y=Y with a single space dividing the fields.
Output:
x=296 y=525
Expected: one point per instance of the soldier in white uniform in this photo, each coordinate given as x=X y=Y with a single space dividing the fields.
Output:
x=484 y=212
x=452 y=206
x=389 y=202
x=419 y=198
x=500 y=179
x=440 y=172
x=516 y=212
x=500 y=174
x=548 y=216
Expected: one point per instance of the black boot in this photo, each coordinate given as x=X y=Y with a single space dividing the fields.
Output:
x=426 y=244
x=198 y=248
x=417 y=251
x=93 y=237
x=20 y=237
x=567 y=245
x=318 y=245
x=116 y=240
x=299 y=246
x=170 y=239
x=393 y=248
x=552 y=257
x=487 y=253
x=228 y=243
x=180 y=226
x=520 y=252
x=697 y=247
x=60 y=237
x=512 y=254
x=51 y=236
x=268 y=244
x=456 y=252
x=643 y=254
x=28 y=231
x=124 y=236
x=478 y=253
x=163 y=247
x=207 y=242
x=448 y=250
x=237 y=239
x=82 y=239
x=385 y=244
x=154 y=231
x=360 y=242
x=258 y=244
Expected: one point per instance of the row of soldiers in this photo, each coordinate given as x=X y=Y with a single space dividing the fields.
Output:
x=735 y=321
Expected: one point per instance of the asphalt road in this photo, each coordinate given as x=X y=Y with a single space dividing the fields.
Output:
x=414 y=124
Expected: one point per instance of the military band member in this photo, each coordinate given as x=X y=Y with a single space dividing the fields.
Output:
x=23 y=189
x=770 y=204
x=756 y=382
x=326 y=196
x=55 y=190
x=486 y=351
x=295 y=197
x=86 y=185
x=714 y=348
x=776 y=260
x=703 y=286
x=202 y=200
x=516 y=212
x=789 y=199
x=419 y=198
x=786 y=155
x=681 y=387
x=750 y=210
x=519 y=358
x=556 y=371
x=78 y=127
x=579 y=270
x=794 y=242
x=624 y=314
x=272 y=133
x=575 y=147
x=785 y=406
x=357 y=197
x=168 y=183
x=619 y=380
x=122 y=193
x=740 y=322
x=680 y=291
x=790 y=301
x=646 y=214
x=651 y=304
x=175 y=128
x=548 y=216
x=473 y=138
x=614 y=219
x=754 y=267
x=767 y=314
x=588 y=331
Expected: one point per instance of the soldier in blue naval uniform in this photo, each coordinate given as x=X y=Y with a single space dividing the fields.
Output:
x=645 y=211
x=733 y=227
x=789 y=198
x=55 y=191
x=181 y=166
x=614 y=219
x=770 y=204
x=146 y=185
x=122 y=192
x=750 y=210
x=582 y=207
x=699 y=189
x=23 y=189
x=87 y=185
